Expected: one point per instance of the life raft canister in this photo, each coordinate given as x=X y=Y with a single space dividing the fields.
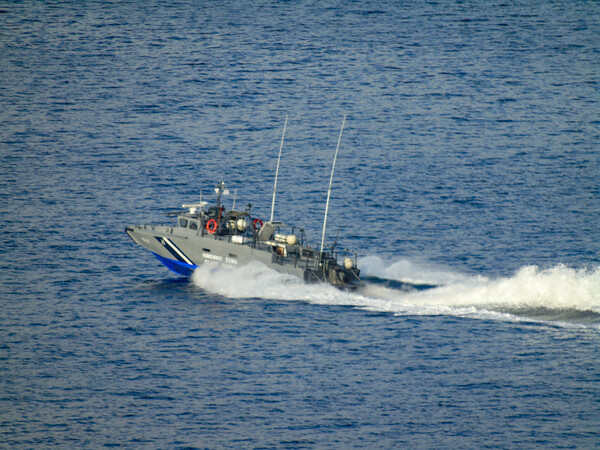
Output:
x=211 y=226
x=257 y=224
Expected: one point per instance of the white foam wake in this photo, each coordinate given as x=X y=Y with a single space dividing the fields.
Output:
x=257 y=280
x=530 y=288
x=559 y=287
x=556 y=289
x=409 y=271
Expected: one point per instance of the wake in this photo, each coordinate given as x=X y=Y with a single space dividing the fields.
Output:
x=561 y=295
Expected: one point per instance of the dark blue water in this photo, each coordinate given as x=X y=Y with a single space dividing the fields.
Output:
x=469 y=161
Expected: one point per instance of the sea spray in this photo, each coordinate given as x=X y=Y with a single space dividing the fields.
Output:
x=259 y=281
x=559 y=291
x=559 y=287
x=409 y=271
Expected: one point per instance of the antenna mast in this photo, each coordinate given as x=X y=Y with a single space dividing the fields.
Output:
x=277 y=171
x=330 y=182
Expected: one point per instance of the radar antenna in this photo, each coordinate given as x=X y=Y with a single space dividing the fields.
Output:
x=220 y=190
x=330 y=182
x=277 y=170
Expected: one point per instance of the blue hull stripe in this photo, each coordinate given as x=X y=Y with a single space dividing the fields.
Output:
x=180 y=268
x=173 y=250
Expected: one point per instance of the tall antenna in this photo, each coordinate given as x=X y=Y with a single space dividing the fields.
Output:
x=277 y=171
x=330 y=182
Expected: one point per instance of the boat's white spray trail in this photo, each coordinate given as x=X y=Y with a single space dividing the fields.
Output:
x=529 y=291
x=409 y=271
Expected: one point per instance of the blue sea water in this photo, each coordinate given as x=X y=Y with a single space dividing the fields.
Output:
x=469 y=161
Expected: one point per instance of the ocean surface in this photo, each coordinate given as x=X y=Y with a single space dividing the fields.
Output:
x=469 y=163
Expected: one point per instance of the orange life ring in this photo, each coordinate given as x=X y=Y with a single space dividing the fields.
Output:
x=211 y=226
x=257 y=222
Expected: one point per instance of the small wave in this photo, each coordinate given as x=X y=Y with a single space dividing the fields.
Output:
x=559 y=294
x=397 y=284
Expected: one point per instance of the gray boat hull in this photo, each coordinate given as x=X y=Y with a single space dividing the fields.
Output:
x=182 y=250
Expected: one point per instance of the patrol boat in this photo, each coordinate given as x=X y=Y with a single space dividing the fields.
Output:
x=203 y=234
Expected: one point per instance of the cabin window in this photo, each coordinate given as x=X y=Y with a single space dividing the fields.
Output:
x=193 y=225
x=183 y=222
